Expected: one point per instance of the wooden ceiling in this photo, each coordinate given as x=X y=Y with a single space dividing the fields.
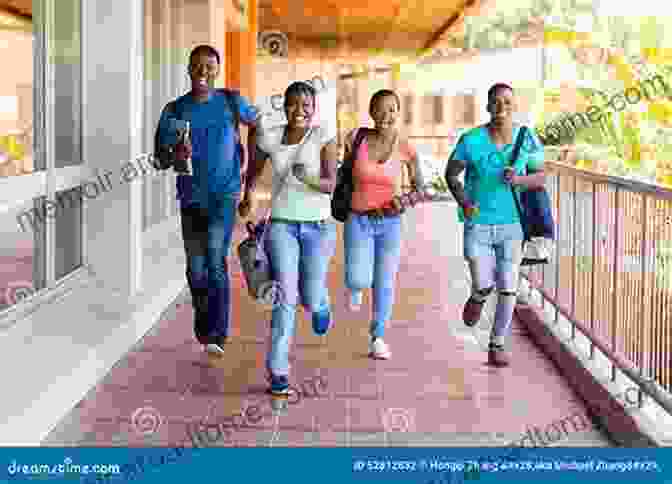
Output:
x=23 y=8
x=350 y=31
x=357 y=30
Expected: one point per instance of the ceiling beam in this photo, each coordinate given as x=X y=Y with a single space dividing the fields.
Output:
x=9 y=10
x=448 y=25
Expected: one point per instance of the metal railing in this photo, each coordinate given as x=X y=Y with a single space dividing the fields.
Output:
x=610 y=274
x=611 y=271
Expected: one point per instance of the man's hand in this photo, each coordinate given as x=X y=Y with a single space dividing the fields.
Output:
x=470 y=210
x=509 y=176
x=247 y=205
x=182 y=151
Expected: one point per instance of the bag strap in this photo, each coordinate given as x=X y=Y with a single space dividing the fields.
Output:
x=514 y=157
x=358 y=138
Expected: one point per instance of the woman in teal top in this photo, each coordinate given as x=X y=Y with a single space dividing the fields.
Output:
x=493 y=234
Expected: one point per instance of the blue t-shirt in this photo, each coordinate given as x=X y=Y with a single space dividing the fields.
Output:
x=484 y=181
x=215 y=156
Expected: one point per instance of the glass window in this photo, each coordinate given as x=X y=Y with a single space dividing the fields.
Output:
x=68 y=233
x=21 y=258
x=67 y=71
x=16 y=99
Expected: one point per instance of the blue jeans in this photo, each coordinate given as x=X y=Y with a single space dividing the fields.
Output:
x=300 y=253
x=207 y=238
x=372 y=252
x=494 y=253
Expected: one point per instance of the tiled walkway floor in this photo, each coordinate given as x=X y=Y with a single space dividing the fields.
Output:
x=436 y=389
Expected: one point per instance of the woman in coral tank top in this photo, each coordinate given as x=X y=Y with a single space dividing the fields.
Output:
x=373 y=229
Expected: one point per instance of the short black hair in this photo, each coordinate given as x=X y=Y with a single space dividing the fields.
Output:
x=380 y=95
x=498 y=87
x=300 y=88
x=204 y=49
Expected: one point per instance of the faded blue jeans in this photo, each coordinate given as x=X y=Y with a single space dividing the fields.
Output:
x=372 y=252
x=494 y=253
x=207 y=238
x=300 y=253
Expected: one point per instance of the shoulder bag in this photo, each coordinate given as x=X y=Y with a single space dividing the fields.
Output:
x=536 y=217
x=341 y=199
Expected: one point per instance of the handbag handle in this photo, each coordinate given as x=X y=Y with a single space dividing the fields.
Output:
x=514 y=157
x=282 y=184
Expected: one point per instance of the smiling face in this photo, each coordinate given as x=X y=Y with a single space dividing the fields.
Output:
x=501 y=105
x=385 y=113
x=299 y=109
x=203 y=70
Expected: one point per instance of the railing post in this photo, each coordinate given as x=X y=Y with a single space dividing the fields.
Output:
x=642 y=320
x=574 y=215
x=615 y=274
x=592 y=275
x=557 y=259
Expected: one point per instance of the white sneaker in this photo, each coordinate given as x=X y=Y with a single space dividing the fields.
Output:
x=379 y=350
x=355 y=299
x=214 y=349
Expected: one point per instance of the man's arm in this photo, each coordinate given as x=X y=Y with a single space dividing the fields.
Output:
x=453 y=170
x=164 y=155
x=534 y=179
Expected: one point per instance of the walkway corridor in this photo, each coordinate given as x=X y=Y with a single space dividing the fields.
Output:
x=436 y=390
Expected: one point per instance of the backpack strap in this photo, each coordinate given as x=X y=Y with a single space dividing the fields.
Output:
x=230 y=95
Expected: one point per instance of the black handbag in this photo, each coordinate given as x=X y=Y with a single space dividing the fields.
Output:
x=341 y=199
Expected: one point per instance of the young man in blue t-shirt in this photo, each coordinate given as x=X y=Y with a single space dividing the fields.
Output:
x=209 y=197
x=493 y=234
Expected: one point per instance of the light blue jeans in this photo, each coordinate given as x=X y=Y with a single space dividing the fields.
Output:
x=300 y=253
x=372 y=252
x=494 y=253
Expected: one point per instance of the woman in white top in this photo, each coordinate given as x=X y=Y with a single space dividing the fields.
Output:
x=301 y=237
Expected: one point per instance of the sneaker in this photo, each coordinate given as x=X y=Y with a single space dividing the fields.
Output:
x=214 y=349
x=355 y=299
x=279 y=385
x=497 y=356
x=322 y=322
x=378 y=350
x=472 y=312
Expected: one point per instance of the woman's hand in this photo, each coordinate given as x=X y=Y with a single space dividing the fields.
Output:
x=246 y=205
x=299 y=171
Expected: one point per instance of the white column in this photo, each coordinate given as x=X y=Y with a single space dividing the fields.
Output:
x=112 y=114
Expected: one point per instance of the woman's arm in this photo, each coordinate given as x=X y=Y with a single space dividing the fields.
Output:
x=328 y=168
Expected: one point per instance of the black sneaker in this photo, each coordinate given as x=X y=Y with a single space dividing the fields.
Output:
x=279 y=385
x=497 y=356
